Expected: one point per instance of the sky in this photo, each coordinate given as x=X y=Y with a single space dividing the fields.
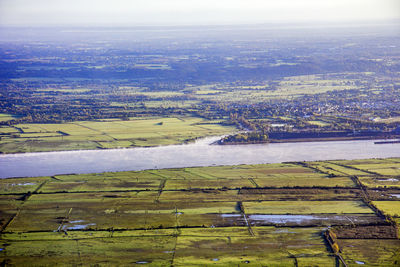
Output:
x=192 y=12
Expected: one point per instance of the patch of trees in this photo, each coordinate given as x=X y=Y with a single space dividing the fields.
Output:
x=244 y=138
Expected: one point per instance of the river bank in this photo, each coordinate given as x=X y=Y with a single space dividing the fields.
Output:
x=287 y=137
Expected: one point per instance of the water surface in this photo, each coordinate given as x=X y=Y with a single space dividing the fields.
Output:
x=199 y=153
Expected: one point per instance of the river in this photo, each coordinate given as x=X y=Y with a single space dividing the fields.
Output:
x=199 y=153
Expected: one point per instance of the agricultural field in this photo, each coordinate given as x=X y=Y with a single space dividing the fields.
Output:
x=105 y=134
x=7 y=117
x=384 y=252
x=268 y=214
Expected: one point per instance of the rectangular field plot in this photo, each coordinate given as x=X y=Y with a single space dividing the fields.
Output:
x=9 y=205
x=37 y=219
x=311 y=180
x=378 y=182
x=123 y=181
x=18 y=146
x=233 y=246
x=299 y=194
x=208 y=184
x=88 y=211
x=73 y=235
x=96 y=251
x=209 y=207
x=253 y=171
x=210 y=220
x=21 y=185
x=370 y=252
x=7 y=130
x=183 y=174
x=305 y=207
x=103 y=182
x=257 y=194
x=197 y=246
x=356 y=162
x=397 y=220
x=210 y=214
x=335 y=169
x=93 y=185
x=199 y=196
x=390 y=167
x=310 y=219
x=108 y=176
x=388 y=207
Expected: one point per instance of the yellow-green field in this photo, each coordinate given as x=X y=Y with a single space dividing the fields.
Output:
x=290 y=87
x=106 y=134
x=6 y=117
x=306 y=207
x=253 y=215
x=391 y=208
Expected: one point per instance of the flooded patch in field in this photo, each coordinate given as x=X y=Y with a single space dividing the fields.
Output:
x=285 y=231
x=283 y=219
x=23 y=184
x=141 y=262
x=360 y=262
x=72 y=226
x=388 y=180
x=395 y=195
x=293 y=220
x=77 y=221
x=230 y=215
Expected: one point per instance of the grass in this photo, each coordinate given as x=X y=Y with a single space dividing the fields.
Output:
x=7 y=117
x=232 y=246
x=188 y=217
x=20 y=185
x=104 y=251
x=305 y=207
x=371 y=252
x=121 y=181
x=9 y=205
x=204 y=246
x=106 y=134
x=175 y=184
x=315 y=180
x=335 y=169
x=385 y=167
x=389 y=207
x=380 y=182
x=319 y=123
x=292 y=87
x=221 y=177
x=392 y=169
x=8 y=130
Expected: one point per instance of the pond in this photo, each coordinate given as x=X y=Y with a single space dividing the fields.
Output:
x=200 y=153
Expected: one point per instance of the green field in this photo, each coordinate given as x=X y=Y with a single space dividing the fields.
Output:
x=369 y=252
x=7 y=117
x=306 y=207
x=391 y=208
x=106 y=134
x=196 y=217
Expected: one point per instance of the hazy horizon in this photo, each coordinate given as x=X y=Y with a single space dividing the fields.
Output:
x=122 y=13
